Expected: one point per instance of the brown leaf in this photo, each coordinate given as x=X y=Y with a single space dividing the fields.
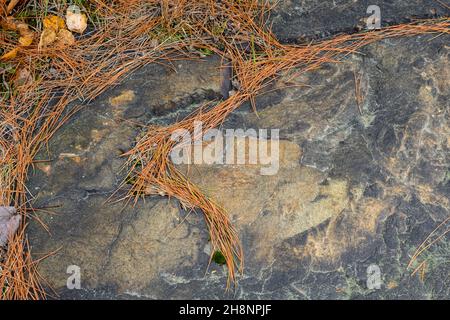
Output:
x=22 y=77
x=25 y=39
x=65 y=38
x=9 y=223
x=8 y=23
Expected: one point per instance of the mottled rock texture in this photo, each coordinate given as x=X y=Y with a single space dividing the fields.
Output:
x=301 y=20
x=358 y=184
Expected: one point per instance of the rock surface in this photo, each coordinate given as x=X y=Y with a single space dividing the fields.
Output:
x=358 y=184
x=300 y=20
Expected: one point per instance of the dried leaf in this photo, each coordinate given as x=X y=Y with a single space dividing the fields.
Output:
x=48 y=36
x=22 y=27
x=26 y=35
x=75 y=20
x=55 y=32
x=8 y=23
x=54 y=23
x=10 y=54
x=9 y=223
x=22 y=77
x=26 y=39
x=65 y=38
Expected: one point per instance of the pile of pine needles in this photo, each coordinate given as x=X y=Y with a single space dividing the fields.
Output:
x=123 y=36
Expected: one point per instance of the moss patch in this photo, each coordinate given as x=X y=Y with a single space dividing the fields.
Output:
x=219 y=258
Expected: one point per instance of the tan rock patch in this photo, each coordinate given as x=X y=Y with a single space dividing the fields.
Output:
x=294 y=200
x=152 y=242
x=124 y=98
x=329 y=244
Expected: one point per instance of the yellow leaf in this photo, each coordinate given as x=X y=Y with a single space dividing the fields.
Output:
x=54 y=23
x=48 y=36
x=10 y=54
x=26 y=39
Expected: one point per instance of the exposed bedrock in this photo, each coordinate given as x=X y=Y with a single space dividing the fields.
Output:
x=358 y=184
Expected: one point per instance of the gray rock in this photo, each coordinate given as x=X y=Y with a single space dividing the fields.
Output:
x=303 y=20
x=357 y=185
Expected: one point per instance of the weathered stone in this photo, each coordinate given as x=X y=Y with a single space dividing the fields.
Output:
x=302 y=20
x=357 y=185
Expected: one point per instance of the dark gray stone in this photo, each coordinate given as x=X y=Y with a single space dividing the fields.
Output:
x=356 y=186
x=303 y=20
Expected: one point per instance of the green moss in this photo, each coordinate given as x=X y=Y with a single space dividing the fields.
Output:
x=168 y=34
x=219 y=258
x=205 y=51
